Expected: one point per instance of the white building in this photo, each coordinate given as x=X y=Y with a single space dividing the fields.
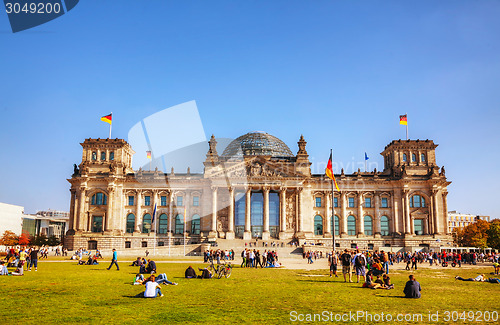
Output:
x=461 y=220
x=11 y=218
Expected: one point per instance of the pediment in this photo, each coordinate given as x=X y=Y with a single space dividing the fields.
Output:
x=419 y=213
x=256 y=167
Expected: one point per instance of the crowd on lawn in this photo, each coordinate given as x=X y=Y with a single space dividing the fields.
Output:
x=253 y=258
x=218 y=255
x=18 y=256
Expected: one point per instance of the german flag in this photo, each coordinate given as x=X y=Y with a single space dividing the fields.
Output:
x=148 y=154
x=403 y=119
x=106 y=118
x=329 y=172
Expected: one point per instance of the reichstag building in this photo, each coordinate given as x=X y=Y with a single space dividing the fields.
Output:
x=257 y=189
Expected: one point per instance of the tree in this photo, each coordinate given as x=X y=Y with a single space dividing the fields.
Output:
x=494 y=234
x=53 y=241
x=476 y=234
x=458 y=236
x=40 y=240
x=9 y=238
x=24 y=239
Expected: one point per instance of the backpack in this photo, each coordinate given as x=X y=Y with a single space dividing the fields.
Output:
x=346 y=259
x=360 y=261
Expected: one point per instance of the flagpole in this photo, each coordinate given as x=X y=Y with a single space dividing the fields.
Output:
x=365 y=163
x=154 y=243
x=110 y=125
x=406 y=126
x=333 y=211
x=184 y=240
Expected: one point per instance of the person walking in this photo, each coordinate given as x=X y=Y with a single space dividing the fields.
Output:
x=113 y=260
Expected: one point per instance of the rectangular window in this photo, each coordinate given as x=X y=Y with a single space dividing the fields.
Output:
x=131 y=200
x=163 y=201
x=144 y=244
x=318 y=202
x=336 y=202
x=128 y=244
x=351 y=202
x=103 y=155
x=147 y=200
x=368 y=202
x=385 y=203
x=196 y=201
x=180 y=203
x=97 y=224
x=112 y=155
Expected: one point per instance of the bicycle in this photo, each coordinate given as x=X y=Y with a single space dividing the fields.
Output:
x=224 y=270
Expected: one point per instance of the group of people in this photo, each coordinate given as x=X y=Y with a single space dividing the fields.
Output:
x=224 y=255
x=19 y=256
x=253 y=258
x=376 y=263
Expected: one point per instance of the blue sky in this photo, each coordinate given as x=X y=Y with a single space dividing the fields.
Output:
x=338 y=72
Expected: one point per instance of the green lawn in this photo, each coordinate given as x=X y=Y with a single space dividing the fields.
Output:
x=67 y=293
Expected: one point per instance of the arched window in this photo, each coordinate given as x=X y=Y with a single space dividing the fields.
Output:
x=94 y=155
x=404 y=157
x=163 y=224
x=337 y=226
x=179 y=224
x=195 y=225
x=384 y=226
x=103 y=155
x=112 y=155
x=351 y=226
x=99 y=199
x=417 y=201
x=146 y=224
x=318 y=225
x=413 y=157
x=130 y=223
x=368 y=226
x=422 y=158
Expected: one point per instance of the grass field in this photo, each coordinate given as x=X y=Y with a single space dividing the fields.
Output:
x=63 y=292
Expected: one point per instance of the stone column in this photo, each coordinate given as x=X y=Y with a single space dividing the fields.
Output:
x=328 y=214
x=445 y=211
x=435 y=211
x=265 y=233
x=81 y=210
x=187 y=209
x=408 y=223
x=138 y=216
x=109 y=209
x=213 y=225
x=376 y=217
x=299 y=211
x=230 y=216
x=72 y=210
x=361 y=223
x=395 y=214
x=282 y=212
x=343 y=216
x=247 y=234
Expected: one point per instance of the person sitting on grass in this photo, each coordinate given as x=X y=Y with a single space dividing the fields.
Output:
x=479 y=278
x=151 y=268
x=412 y=288
x=190 y=273
x=3 y=268
x=387 y=282
x=153 y=289
x=137 y=262
x=376 y=267
x=18 y=271
x=205 y=274
x=369 y=282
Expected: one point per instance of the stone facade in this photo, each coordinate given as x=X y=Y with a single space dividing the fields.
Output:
x=254 y=193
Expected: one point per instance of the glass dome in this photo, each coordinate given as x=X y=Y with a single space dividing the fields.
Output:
x=257 y=144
